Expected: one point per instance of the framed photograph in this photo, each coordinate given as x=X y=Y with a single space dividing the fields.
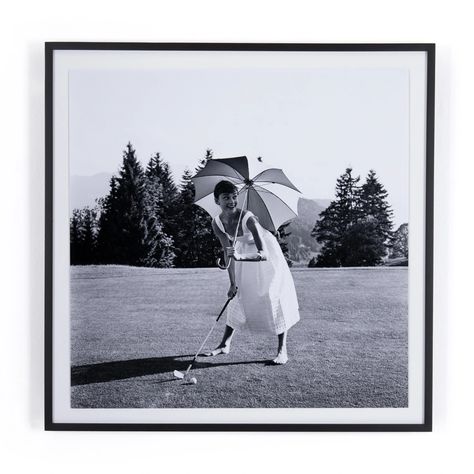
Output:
x=239 y=237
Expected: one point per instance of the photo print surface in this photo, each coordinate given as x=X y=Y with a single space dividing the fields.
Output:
x=144 y=282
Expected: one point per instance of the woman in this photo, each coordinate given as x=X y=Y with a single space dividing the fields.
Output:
x=266 y=299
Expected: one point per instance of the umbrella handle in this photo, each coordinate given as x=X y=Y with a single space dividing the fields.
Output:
x=221 y=265
x=219 y=260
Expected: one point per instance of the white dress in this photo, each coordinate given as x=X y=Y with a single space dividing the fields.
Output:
x=266 y=299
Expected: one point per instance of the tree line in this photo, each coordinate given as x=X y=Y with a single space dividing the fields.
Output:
x=146 y=220
x=356 y=228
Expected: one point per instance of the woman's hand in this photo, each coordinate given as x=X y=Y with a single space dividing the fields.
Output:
x=232 y=290
x=232 y=253
x=262 y=255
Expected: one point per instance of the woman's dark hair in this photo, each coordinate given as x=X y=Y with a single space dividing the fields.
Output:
x=224 y=187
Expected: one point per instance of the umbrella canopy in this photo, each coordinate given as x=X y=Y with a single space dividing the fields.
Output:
x=270 y=195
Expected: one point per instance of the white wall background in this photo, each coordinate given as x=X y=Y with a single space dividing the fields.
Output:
x=24 y=446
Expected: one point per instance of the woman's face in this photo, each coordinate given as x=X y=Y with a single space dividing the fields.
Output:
x=227 y=202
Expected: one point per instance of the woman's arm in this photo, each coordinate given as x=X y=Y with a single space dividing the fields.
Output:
x=253 y=227
x=225 y=242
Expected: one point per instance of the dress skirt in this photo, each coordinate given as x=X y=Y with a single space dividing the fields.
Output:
x=266 y=299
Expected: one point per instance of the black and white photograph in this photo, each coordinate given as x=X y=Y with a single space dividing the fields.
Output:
x=241 y=236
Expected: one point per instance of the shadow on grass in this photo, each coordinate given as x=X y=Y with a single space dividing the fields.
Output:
x=126 y=369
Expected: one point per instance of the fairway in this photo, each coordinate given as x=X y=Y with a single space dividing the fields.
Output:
x=131 y=327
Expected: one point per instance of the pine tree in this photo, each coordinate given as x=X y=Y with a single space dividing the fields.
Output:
x=161 y=196
x=83 y=236
x=336 y=219
x=208 y=246
x=186 y=251
x=399 y=242
x=374 y=205
x=89 y=235
x=109 y=224
x=282 y=236
x=161 y=192
x=355 y=229
x=203 y=161
x=75 y=238
x=365 y=247
x=196 y=244
x=159 y=246
x=129 y=234
x=131 y=247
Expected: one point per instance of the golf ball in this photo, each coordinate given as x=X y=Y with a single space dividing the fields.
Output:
x=193 y=380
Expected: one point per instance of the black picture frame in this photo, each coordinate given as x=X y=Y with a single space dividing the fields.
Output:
x=51 y=48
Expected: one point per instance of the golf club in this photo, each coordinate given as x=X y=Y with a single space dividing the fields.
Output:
x=181 y=375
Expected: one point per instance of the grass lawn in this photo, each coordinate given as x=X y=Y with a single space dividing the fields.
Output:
x=131 y=327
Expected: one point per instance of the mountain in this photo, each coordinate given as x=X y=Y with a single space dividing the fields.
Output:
x=301 y=246
x=84 y=190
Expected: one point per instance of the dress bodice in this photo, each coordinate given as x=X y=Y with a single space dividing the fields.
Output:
x=246 y=236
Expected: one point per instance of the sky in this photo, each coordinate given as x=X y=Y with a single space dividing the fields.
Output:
x=313 y=123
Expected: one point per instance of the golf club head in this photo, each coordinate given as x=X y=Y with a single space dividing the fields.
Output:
x=178 y=374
